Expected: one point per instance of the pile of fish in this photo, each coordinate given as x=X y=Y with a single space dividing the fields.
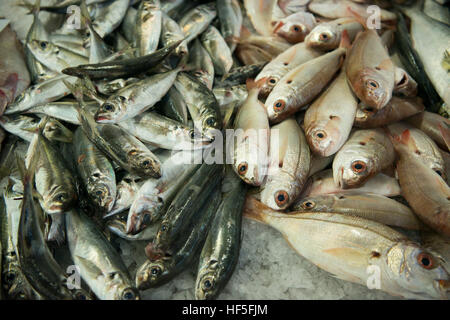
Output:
x=123 y=108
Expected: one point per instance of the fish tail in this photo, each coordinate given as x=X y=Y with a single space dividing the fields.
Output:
x=255 y=210
x=7 y=166
x=33 y=8
x=85 y=14
x=27 y=174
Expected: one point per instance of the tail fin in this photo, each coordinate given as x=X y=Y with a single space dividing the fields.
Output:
x=358 y=17
x=7 y=166
x=33 y=8
x=255 y=210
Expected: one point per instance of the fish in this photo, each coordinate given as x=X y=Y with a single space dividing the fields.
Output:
x=200 y=64
x=329 y=120
x=430 y=39
x=127 y=189
x=197 y=20
x=14 y=284
x=272 y=73
x=230 y=17
x=201 y=103
x=160 y=131
x=54 y=57
x=398 y=108
x=41 y=270
x=425 y=191
x=121 y=68
x=108 y=16
x=155 y=195
x=260 y=14
x=302 y=84
x=295 y=27
x=346 y=246
x=366 y=153
x=119 y=145
x=62 y=110
x=41 y=93
x=289 y=165
x=98 y=262
x=54 y=182
x=118 y=226
x=171 y=32
x=148 y=26
x=220 y=252
x=429 y=122
x=95 y=171
x=419 y=145
x=155 y=273
x=323 y=183
x=334 y=9
x=135 y=98
x=252 y=133
x=183 y=209
x=369 y=206
x=238 y=75
x=174 y=107
x=218 y=50
x=14 y=75
x=19 y=125
x=370 y=70
x=327 y=35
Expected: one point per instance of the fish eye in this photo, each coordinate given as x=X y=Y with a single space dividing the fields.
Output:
x=208 y=284
x=279 y=105
x=242 y=168
x=308 y=204
x=43 y=44
x=425 y=261
x=321 y=135
x=155 y=271
x=145 y=163
x=99 y=192
x=164 y=227
x=281 y=198
x=128 y=294
x=210 y=121
x=323 y=37
x=372 y=83
x=359 y=166
x=108 y=107
x=272 y=80
x=192 y=134
x=296 y=28
x=60 y=197
x=439 y=172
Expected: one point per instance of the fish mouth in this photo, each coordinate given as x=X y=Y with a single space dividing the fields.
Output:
x=101 y=119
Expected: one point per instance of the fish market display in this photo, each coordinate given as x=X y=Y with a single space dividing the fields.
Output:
x=139 y=138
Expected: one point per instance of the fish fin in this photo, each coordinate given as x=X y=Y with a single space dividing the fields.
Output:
x=85 y=14
x=445 y=132
x=27 y=174
x=89 y=266
x=345 y=40
x=245 y=33
x=278 y=26
x=358 y=17
x=255 y=210
x=251 y=84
